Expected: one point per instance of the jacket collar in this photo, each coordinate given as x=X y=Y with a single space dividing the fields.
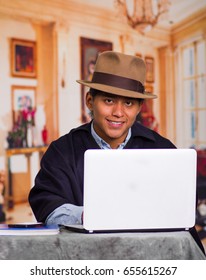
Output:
x=138 y=130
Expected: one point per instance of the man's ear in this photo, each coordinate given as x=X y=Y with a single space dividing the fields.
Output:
x=141 y=102
x=89 y=101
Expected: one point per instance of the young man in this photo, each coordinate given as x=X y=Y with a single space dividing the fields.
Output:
x=115 y=99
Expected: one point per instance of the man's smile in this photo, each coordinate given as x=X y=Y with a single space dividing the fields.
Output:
x=115 y=123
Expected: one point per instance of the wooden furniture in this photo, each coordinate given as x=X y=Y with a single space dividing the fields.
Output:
x=27 y=152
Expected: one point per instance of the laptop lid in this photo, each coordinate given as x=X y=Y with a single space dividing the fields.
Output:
x=139 y=189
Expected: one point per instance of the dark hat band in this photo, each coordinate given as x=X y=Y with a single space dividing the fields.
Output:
x=117 y=81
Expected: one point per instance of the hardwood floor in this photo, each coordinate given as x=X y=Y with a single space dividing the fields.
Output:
x=23 y=213
x=20 y=213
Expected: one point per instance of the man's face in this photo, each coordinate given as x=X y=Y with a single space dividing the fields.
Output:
x=113 y=115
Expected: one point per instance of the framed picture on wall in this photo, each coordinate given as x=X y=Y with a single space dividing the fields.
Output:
x=23 y=58
x=146 y=116
x=23 y=98
x=90 y=49
x=150 y=69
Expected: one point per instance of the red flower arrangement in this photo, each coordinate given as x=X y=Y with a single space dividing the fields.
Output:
x=17 y=137
x=28 y=115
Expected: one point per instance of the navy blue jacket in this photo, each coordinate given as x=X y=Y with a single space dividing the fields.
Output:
x=60 y=179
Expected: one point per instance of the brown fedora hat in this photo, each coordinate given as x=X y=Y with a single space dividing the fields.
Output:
x=119 y=74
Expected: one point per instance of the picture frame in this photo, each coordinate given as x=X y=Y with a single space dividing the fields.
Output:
x=23 y=97
x=149 y=88
x=147 y=116
x=90 y=48
x=138 y=55
x=149 y=61
x=23 y=58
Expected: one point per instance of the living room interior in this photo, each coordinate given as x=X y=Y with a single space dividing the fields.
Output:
x=47 y=45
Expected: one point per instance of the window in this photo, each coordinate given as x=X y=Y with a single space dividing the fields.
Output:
x=194 y=94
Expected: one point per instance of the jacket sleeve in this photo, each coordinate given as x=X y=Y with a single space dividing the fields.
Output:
x=57 y=182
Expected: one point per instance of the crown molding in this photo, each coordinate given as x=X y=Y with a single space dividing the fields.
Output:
x=194 y=25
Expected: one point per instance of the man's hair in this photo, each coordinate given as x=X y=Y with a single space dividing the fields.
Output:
x=95 y=92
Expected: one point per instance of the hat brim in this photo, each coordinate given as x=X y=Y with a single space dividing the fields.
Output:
x=117 y=91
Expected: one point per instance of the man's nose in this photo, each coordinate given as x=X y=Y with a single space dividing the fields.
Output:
x=118 y=109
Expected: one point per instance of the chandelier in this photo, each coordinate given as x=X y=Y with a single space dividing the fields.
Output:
x=142 y=15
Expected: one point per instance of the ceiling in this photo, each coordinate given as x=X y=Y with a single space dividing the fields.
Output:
x=179 y=9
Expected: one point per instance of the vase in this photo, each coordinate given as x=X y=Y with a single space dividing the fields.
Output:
x=29 y=136
x=40 y=122
x=10 y=142
x=45 y=135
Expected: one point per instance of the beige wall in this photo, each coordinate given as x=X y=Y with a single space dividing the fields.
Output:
x=57 y=26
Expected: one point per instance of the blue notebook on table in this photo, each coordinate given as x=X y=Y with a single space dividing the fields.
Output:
x=28 y=229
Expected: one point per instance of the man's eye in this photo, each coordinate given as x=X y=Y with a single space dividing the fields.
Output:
x=109 y=101
x=128 y=103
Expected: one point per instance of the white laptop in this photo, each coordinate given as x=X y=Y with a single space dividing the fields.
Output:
x=139 y=190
